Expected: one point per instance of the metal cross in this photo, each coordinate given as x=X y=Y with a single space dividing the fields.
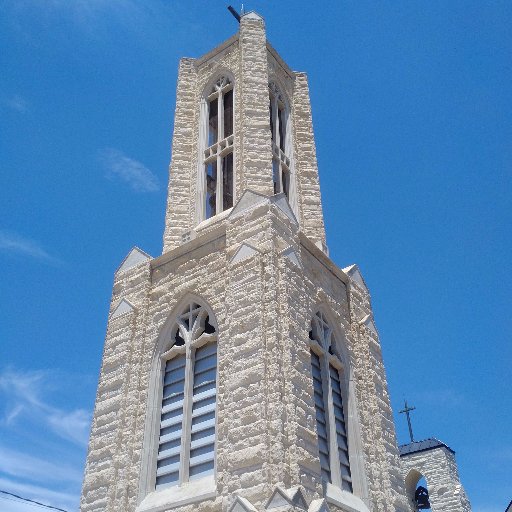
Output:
x=407 y=410
x=237 y=16
x=232 y=10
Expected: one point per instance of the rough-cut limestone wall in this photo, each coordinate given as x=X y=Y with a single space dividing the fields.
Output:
x=319 y=287
x=249 y=333
x=107 y=458
x=386 y=484
x=308 y=185
x=256 y=156
x=248 y=59
x=194 y=76
x=208 y=71
x=184 y=145
x=439 y=468
x=299 y=463
x=263 y=304
x=200 y=272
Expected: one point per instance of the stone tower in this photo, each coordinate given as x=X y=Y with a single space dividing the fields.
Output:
x=434 y=461
x=242 y=370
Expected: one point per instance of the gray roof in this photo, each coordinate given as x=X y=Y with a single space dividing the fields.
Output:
x=421 y=446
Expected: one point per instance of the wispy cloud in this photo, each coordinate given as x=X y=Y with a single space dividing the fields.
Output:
x=35 y=470
x=23 y=392
x=132 y=172
x=14 y=243
x=73 y=426
x=16 y=103
x=18 y=464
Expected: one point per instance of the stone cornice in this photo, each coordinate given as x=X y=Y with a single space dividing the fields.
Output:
x=200 y=240
x=324 y=259
x=207 y=56
x=280 y=61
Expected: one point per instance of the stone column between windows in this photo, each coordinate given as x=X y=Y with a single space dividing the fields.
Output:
x=256 y=153
x=183 y=148
x=306 y=167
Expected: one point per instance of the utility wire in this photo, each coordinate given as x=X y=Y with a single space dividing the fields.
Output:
x=32 y=501
x=16 y=500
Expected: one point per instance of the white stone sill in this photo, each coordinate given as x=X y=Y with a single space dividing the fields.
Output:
x=179 y=495
x=344 y=500
x=212 y=220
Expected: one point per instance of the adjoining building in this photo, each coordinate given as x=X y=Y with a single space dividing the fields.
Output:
x=435 y=462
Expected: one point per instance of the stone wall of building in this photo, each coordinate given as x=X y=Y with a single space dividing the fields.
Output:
x=263 y=280
x=262 y=268
x=106 y=466
x=252 y=63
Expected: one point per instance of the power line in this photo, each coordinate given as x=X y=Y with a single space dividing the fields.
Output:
x=16 y=500
x=32 y=501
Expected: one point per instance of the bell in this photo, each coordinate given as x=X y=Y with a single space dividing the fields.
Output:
x=421 y=498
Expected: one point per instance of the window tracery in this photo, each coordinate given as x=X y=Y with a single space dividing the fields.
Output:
x=186 y=444
x=280 y=150
x=329 y=395
x=218 y=149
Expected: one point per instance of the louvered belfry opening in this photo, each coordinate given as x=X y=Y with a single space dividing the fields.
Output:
x=186 y=447
x=321 y=418
x=202 y=439
x=341 y=429
x=171 y=424
x=328 y=393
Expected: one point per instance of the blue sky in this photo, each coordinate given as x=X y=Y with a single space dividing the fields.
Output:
x=412 y=114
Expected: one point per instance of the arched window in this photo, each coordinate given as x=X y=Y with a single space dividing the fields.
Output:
x=186 y=442
x=218 y=149
x=280 y=149
x=330 y=396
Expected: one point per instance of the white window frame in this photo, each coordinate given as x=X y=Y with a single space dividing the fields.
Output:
x=325 y=339
x=179 y=494
x=218 y=150
x=279 y=157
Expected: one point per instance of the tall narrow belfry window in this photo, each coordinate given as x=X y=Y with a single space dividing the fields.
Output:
x=218 y=152
x=280 y=149
x=329 y=392
x=186 y=444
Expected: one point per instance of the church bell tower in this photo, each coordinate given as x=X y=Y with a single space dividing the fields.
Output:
x=242 y=369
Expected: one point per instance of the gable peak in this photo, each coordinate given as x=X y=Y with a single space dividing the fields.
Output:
x=133 y=258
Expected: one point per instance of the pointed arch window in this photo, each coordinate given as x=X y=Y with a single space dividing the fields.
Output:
x=218 y=162
x=329 y=392
x=280 y=140
x=186 y=442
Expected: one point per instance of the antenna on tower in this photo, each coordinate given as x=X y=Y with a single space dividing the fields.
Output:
x=234 y=13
